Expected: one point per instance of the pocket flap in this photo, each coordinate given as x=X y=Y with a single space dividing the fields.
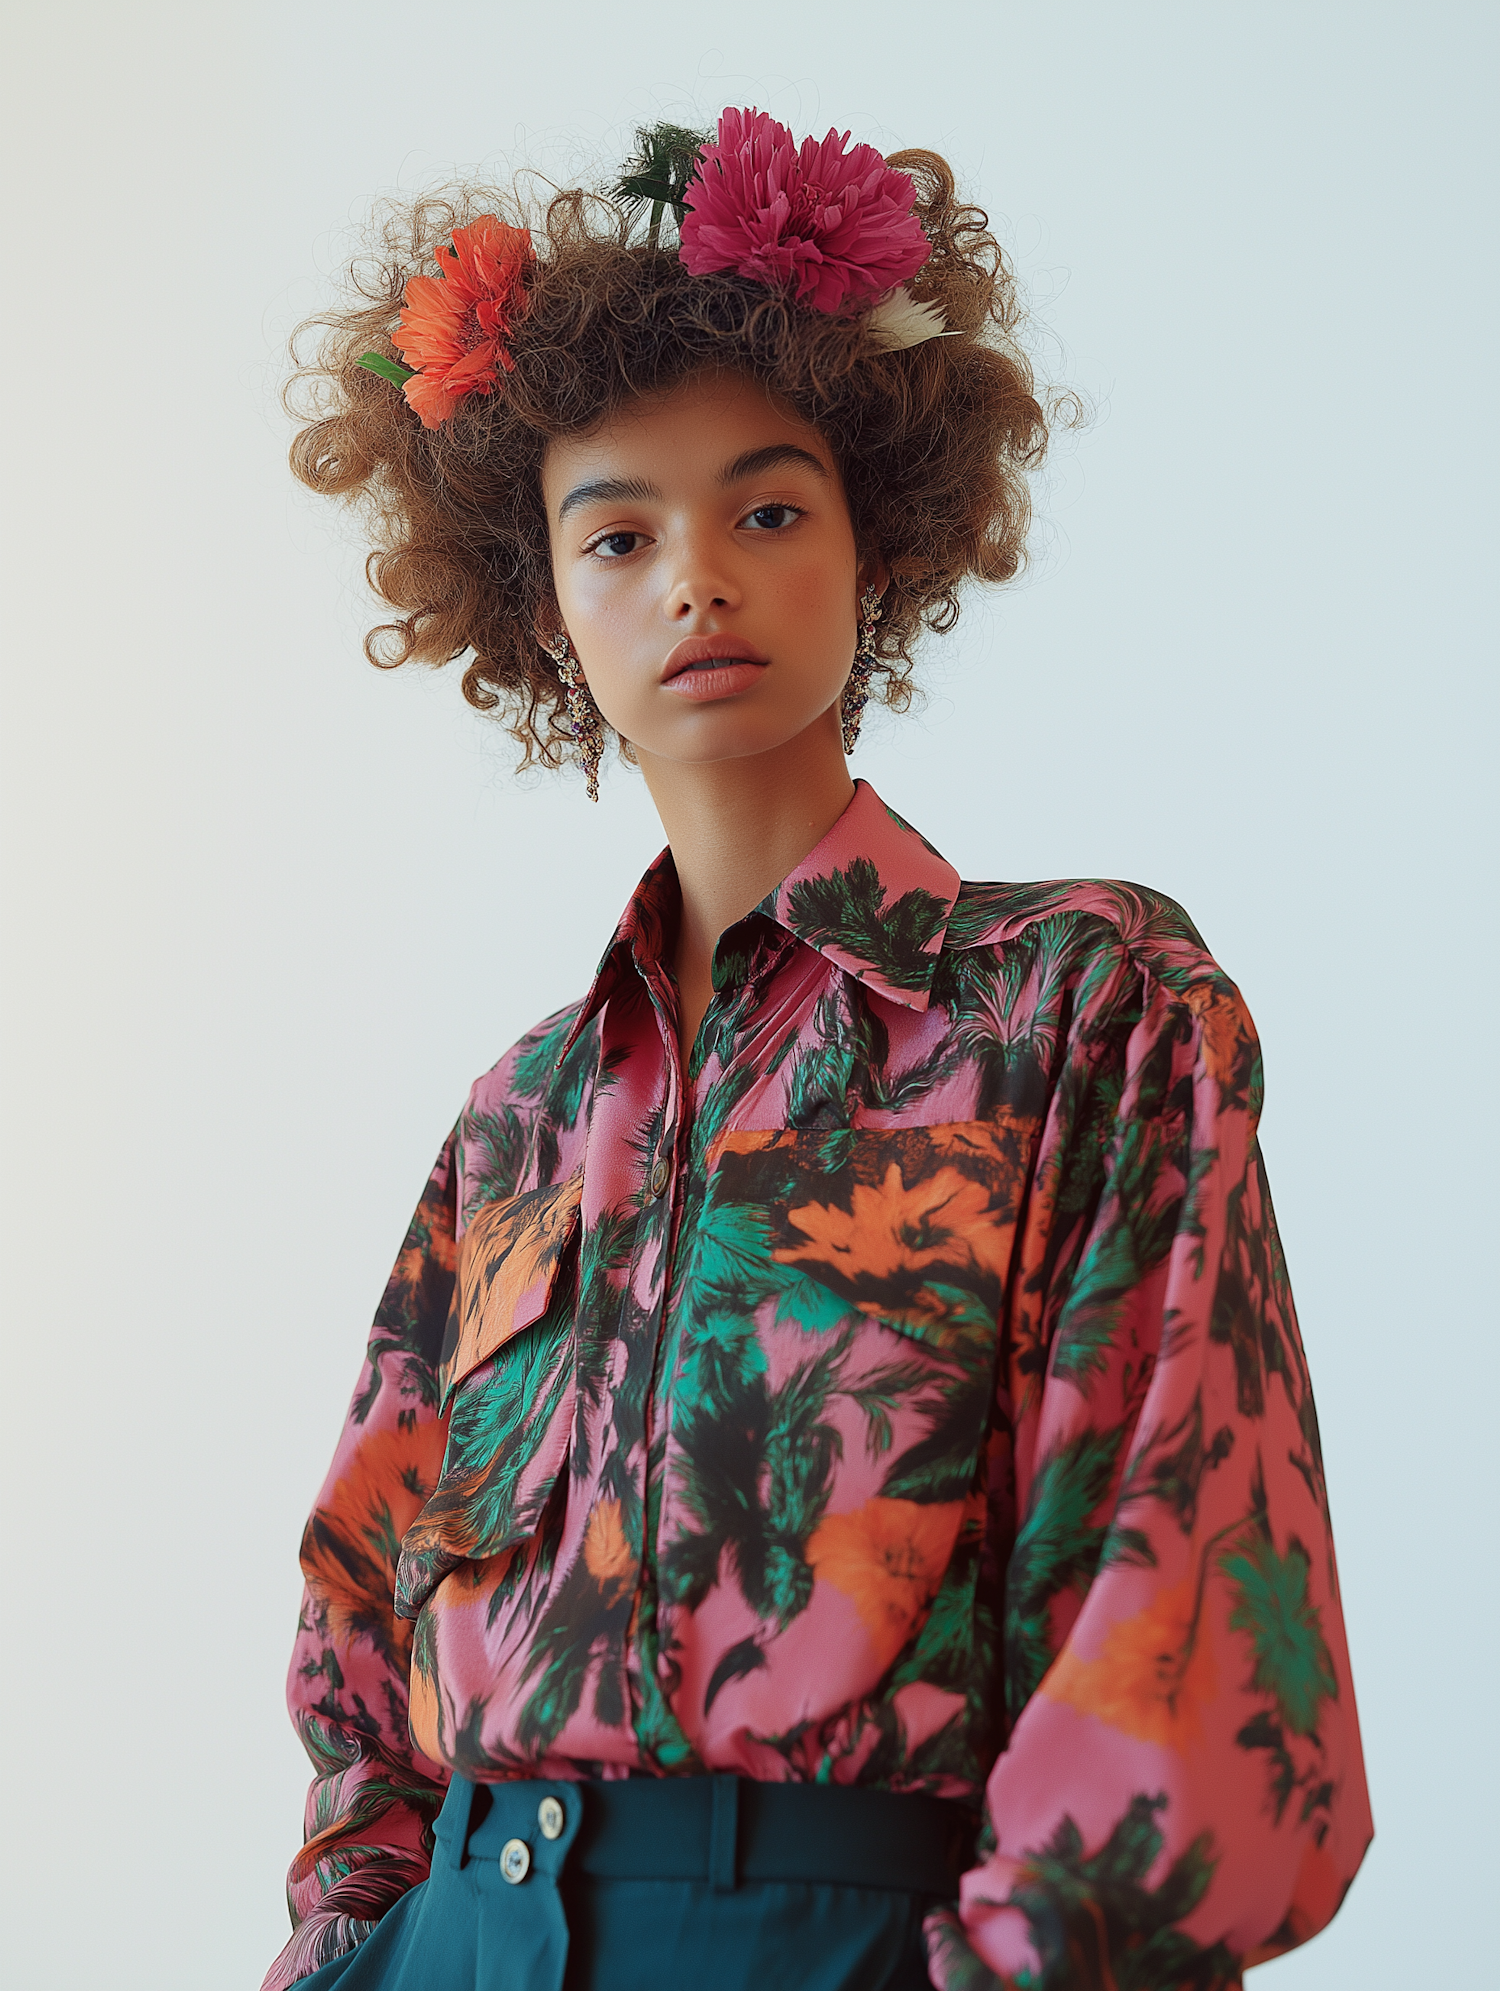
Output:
x=508 y=1263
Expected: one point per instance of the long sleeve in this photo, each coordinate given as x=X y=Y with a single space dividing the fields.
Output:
x=1182 y=1791
x=373 y=1797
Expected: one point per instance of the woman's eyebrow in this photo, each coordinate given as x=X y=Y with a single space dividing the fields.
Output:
x=772 y=457
x=606 y=491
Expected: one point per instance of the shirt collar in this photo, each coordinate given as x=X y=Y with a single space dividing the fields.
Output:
x=873 y=897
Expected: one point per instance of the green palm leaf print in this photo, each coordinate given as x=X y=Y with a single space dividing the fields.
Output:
x=847 y=909
x=1292 y=1660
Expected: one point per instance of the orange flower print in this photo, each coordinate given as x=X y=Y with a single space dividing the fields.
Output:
x=1154 y=1673
x=439 y=1249
x=360 y=1525
x=606 y=1553
x=945 y=1219
x=514 y=1243
x=1220 y=1019
x=454 y=326
x=888 y=1557
x=506 y=1261
x=425 y=1711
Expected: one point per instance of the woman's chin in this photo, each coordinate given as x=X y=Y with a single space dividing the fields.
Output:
x=718 y=732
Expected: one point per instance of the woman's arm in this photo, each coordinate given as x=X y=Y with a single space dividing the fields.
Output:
x=1183 y=1791
x=373 y=1798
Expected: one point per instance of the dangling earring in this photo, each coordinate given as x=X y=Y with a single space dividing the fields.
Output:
x=857 y=690
x=584 y=722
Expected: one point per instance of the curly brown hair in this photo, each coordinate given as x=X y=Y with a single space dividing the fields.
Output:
x=934 y=442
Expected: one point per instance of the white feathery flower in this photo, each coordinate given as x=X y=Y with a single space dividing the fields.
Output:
x=899 y=321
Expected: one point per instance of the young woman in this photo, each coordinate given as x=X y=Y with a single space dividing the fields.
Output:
x=833 y=1497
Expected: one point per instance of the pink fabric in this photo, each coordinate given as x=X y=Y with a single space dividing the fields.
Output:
x=907 y=1393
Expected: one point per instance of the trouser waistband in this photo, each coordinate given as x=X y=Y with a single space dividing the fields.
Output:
x=725 y=1830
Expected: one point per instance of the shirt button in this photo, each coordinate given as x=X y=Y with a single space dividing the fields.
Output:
x=515 y=1860
x=551 y=1817
x=661 y=1175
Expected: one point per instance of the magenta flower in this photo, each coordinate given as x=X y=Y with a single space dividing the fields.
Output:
x=829 y=222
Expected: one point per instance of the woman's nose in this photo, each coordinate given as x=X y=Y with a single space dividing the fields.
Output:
x=701 y=583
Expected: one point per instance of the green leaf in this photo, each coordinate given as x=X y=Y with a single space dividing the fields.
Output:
x=540 y=1051
x=641 y=187
x=727 y=1259
x=1057 y=1548
x=814 y=1307
x=657 y=174
x=848 y=909
x=389 y=369
x=1292 y=1660
x=1095 y=1919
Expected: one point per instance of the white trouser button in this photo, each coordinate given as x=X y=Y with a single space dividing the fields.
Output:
x=515 y=1860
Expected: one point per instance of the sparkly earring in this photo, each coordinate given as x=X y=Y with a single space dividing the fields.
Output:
x=584 y=722
x=857 y=690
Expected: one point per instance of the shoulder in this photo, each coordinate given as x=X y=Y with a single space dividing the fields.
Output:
x=1128 y=958
x=1087 y=923
x=529 y=1069
x=523 y=1114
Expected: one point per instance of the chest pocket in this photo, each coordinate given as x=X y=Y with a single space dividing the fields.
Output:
x=507 y=1383
x=909 y=1229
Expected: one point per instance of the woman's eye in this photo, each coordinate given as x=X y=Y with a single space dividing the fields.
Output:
x=772 y=518
x=615 y=545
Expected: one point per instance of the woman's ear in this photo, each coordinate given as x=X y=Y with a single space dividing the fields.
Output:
x=874 y=573
x=547 y=626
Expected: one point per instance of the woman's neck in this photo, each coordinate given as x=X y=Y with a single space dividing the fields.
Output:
x=736 y=828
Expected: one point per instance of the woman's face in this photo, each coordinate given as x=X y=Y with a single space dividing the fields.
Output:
x=705 y=570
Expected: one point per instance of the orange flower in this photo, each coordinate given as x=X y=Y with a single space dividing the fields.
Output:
x=888 y=1557
x=411 y=1266
x=1153 y=1675
x=370 y=1507
x=425 y=1712
x=945 y=1219
x=606 y=1553
x=454 y=326
x=506 y=1262
x=1219 y=1017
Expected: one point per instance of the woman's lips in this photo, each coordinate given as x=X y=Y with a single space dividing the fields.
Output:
x=714 y=680
x=706 y=667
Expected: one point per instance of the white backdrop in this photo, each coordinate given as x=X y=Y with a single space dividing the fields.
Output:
x=270 y=912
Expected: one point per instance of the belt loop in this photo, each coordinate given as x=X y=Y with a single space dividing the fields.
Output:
x=455 y=1817
x=723 y=1832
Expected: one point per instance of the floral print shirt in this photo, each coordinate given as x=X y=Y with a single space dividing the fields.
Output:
x=904 y=1392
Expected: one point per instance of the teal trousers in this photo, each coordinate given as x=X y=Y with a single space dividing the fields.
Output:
x=707 y=1883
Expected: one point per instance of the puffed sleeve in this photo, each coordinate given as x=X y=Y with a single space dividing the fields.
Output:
x=373 y=1797
x=1182 y=1791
